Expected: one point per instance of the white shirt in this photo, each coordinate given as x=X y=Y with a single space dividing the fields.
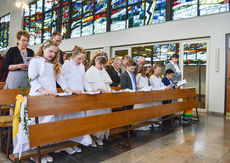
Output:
x=42 y=75
x=156 y=83
x=98 y=79
x=74 y=76
x=142 y=81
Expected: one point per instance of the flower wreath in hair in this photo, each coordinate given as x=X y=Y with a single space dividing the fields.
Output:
x=100 y=56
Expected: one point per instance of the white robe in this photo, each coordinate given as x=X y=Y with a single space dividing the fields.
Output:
x=42 y=75
x=98 y=79
x=74 y=75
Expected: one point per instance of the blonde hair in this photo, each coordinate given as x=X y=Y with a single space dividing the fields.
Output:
x=55 y=61
x=99 y=56
x=78 y=50
x=151 y=72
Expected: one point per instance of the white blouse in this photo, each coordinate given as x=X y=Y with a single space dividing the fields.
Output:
x=98 y=79
x=156 y=83
x=142 y=81
x=42 y=75
x=74 y=76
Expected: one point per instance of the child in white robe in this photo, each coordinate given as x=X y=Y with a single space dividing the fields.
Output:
x=142 y=79
x=74 y=74
x=156 y=83
x=44 y=70
x=98 y=79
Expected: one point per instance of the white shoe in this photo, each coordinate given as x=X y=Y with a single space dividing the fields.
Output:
x=70 y=151
x=49 y=158
x=156 y=125
x=94 y=145
x=77 y=149
x=99 y=142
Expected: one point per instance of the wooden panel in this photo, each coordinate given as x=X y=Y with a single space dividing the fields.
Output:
x=67 y=129
x=8 y=96
x=44 y=150
x=50 y=105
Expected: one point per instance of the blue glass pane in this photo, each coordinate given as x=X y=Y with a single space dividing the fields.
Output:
x=118 y=3
x=100 y=23
x=88 y=8
x=76 y=10
x=100 y=6
x=184 y=9
x=87 y=26
x=118 y=19
x=155 y=11
x=76 y=29
x=136 y=15
x=214 y=6
x=134 y=1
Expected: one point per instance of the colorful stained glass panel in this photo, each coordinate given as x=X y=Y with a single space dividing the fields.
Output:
x=76 y=29
x=88 y=8
x=118 y=19
x=100 y=6
x=118 y=3
x=77 y=9
x=155 y=11
x=136 y=14
x=87 y=26
x=208 y=7
x=4 y=32
x=100 y=23
x=184 y=9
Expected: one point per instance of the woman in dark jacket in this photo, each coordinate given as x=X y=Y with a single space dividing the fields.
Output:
x=16 y=62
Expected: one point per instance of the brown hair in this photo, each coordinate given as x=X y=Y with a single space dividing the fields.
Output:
x=99 y=56
x=110 y=62
x=55 y=34
x=131 y=62
x=55 y=61
x=78 y=50
x=142 y=70
x=22 y=33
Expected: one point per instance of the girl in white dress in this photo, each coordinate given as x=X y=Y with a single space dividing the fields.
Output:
x=45 y=70
x=156 y=83
x=74 y=74
x=142 y=77
x=98 y=79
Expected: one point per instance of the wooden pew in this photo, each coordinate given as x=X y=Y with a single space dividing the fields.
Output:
x=66 y=129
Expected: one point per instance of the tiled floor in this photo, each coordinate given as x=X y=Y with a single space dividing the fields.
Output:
x=207 y=141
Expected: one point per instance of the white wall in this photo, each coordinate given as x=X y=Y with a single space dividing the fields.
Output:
x=214 y=26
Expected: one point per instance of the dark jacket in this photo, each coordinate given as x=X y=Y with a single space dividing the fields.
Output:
x=114 y=76
x=61 y=57
x=167 y=82
x=13 y=56
x=3 y=73
x=126 y=81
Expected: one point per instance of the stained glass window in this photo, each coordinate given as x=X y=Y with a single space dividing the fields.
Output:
x=155 y=11
x=33 y=19
x=88 y=17
x=184 y=9
x=213 y=6
x=136 y=14
x=4 y=32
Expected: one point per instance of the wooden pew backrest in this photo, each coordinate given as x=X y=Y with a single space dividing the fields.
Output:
x=67 y=129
